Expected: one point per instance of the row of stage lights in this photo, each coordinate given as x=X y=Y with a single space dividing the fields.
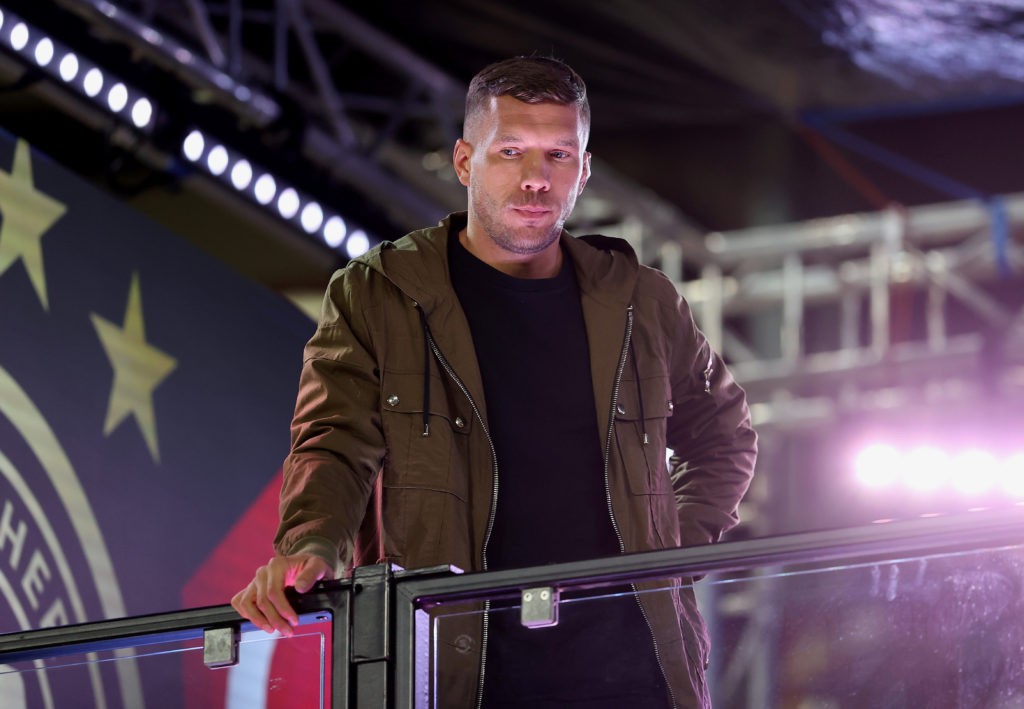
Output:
x=262 y=187
x=930 y=470
x=76 y=72
x=131 y=105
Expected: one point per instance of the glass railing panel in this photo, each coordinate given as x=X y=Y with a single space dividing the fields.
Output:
x=272 y=671
x=923 y=630
x=942 y=630
x=607 y=647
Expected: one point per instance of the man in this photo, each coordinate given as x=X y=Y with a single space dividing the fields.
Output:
x=516 y=389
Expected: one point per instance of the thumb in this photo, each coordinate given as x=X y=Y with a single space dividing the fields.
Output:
x=312 y=571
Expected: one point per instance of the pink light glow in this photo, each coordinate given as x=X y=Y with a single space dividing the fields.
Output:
x=1013 y=475
x=975 y=472
x=926 y=469
x=877 y=466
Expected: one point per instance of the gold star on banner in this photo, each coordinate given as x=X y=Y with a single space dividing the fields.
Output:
x=27 y=215
x=139 y=368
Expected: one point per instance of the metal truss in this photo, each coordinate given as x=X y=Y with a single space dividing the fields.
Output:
x=389 y=139
x=918 y=306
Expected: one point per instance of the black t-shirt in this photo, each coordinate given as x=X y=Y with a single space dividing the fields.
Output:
x=531 y=343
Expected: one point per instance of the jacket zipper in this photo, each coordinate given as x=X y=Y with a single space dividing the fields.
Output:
x=708 y=372
x=608 y=491
x=494 y=505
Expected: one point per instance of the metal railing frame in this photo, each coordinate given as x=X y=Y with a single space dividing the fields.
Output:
x=374 y=613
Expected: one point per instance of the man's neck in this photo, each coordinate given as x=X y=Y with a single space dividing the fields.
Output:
x=545 y=264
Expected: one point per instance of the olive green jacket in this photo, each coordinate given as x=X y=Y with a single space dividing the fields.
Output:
x=392 y=359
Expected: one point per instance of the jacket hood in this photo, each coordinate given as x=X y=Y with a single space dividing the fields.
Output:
x=407 y=262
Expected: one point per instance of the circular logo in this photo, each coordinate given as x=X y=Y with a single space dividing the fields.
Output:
x=54 y=566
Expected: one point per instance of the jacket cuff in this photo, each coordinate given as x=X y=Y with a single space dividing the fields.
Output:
x=321 y=547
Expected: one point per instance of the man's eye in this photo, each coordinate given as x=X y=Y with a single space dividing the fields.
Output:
x=509 y=152
x=560 y=155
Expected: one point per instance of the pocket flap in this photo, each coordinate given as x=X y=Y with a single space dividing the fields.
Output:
x=403 y=393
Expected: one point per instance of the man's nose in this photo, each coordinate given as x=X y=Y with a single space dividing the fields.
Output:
x=536 y=177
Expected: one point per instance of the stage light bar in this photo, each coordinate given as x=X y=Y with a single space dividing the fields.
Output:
x=922 y=470
x=162 y=49
x=78 y=73
x=286 y=201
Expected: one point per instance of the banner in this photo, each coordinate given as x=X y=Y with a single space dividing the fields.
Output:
x=145 y=396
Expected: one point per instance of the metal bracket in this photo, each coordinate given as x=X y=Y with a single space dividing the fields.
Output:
x=539 y=607
x=220 y=646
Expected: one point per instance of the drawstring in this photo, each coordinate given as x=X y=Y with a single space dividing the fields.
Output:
x=639 y=391
x=426 y=371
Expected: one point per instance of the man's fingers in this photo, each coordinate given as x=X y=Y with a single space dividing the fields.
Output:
x=244 y=602
x=312 y=571
x=263 y=601
x=271 y=601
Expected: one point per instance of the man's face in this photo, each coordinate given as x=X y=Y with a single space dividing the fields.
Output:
x=524 y=166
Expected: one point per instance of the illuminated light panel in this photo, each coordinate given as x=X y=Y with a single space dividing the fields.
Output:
x=1013 y=475
x=142 y=113
x=288 y=203
x=93 y=82
x=334 y=231
x=974 y=472
x=194 y=145
x=241 y=174
x=44 y=52
x=265 y=189
x=217 y=160
x=151 y=35
x=1 y=18
x=312 y=217
x=117 y=97
x=358 y=244
x=878 y=466
x=59 y=62
x=926 y=469
x=19 y=36
x=68 y=67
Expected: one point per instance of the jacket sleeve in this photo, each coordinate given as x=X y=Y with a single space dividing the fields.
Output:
x=714 y=446
x=337 y=444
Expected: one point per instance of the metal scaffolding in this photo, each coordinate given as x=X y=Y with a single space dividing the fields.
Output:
x=908 y=306
x=312 y=53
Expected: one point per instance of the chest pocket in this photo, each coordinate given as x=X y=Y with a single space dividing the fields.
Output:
x=413 y=460
x=645 y=465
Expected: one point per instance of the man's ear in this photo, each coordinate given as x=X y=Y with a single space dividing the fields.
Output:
x=585 y=176
x=461 y=157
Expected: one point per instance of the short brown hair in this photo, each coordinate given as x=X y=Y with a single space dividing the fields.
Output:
x=533 y=79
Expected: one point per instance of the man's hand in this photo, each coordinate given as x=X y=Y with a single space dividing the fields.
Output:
x=263 y=601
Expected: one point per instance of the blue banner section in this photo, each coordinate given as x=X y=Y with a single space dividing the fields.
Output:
x=145 y=395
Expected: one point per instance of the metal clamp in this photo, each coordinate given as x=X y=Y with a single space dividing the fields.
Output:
x=220 y=646
x=539 y=607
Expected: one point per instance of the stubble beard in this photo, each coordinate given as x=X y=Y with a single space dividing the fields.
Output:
x=522 y=241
